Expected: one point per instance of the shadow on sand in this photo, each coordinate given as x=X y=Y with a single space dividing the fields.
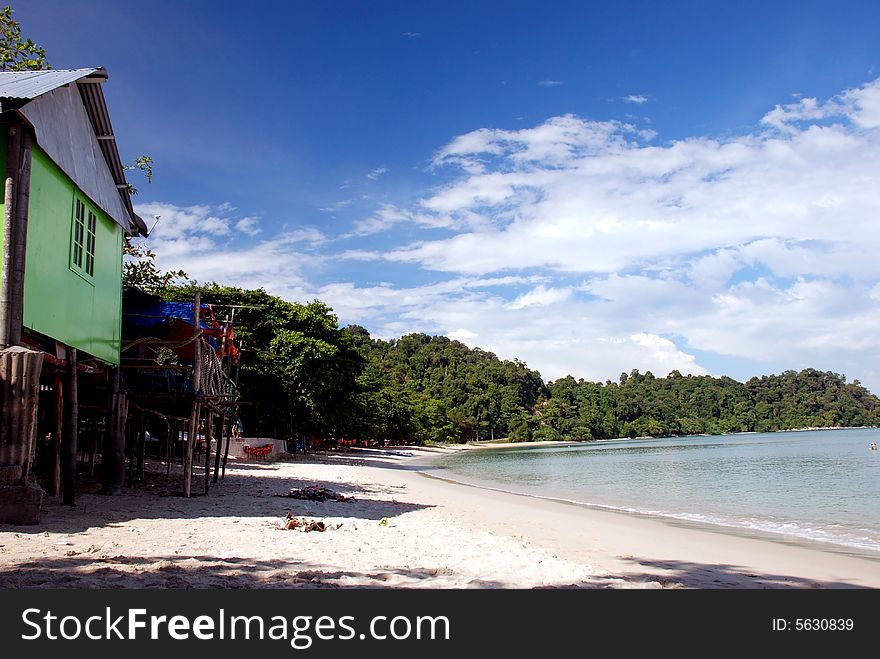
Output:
x=205 y=572
x=246 y=491
x=717 y=576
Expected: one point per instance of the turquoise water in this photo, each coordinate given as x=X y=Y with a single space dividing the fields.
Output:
x=821 y=486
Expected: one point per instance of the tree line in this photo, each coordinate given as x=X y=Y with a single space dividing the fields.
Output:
x=303 y=374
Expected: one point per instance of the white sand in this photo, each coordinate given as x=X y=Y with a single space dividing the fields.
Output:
x=437 y=534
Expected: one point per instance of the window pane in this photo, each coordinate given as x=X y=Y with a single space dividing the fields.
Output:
x=78 y=233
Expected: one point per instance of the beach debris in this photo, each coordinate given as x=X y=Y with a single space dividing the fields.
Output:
x=383 y=521
x=316 y=493
x=292 y=523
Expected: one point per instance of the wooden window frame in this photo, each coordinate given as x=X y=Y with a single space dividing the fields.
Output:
x=83 y=238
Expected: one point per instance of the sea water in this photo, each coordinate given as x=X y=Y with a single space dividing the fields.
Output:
x=821 y=486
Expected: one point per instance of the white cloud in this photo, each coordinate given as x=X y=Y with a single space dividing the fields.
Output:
x=541 y=296
x=411 y=35
x=389 y=215
x=584 y=247
x=212 y=245
x=377 y=172
x=760 y=247
x=551 y=83
x=248 y=225
x=638 y=99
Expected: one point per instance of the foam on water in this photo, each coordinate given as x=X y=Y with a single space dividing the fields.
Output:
x=811 y=486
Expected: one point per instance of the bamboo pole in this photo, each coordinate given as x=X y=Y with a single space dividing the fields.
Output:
x=169 y=447
x=194 y=420
x=6 y=263
x=69 y=450
x=209 y=434
x=19 y=236
x=113 y=453
x=94 y=447
x=219 y=447
x=57 y=434
x=129 y=445
x=141 y=446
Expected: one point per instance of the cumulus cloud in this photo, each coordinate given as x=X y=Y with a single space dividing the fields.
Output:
x=638 y=99
x=212 y=244
x=586 y=247
x=541 y=296
x=759 y=247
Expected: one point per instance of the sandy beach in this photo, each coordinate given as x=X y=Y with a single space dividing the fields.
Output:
x=403 y=530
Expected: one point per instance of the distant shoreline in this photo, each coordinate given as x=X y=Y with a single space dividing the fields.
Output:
x=502 y=443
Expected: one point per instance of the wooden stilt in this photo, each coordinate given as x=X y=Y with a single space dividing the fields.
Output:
x=169 y=447
x=129 y=446
x=226 y=450
x=113 y=456
x=209 y=435
x=57 y=434
x=71 y=431
x=197 y=377
x=141 y=446
x=97 y=438
x=219 y=447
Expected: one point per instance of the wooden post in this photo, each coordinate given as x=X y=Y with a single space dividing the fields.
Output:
x=6 y=262
x=209 y=435
x=129 y=449
x=219 y=447
x=141 y=446
x=226 y=449
x=197 y=384
x=169 y=447
x=19 y=235
x=57 y=434
x=68 y=455
x=93 y=452
x=113 y=456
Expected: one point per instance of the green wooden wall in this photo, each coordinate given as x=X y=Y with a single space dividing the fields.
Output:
x=60 y=301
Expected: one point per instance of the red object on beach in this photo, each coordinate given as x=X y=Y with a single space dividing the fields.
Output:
x=258 y=451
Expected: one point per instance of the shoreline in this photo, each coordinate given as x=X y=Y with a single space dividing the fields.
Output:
x=435 y=534
x=686 y=520
x=682 y=522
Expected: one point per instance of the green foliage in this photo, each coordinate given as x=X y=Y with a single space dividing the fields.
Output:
x=642 y=405
x=139 y=269
x=298 y=370
x=142 y=164
x=16 y=53
x=301 y=374
x=433 y=389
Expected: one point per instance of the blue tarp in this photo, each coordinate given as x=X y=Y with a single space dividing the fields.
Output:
x=159 y=313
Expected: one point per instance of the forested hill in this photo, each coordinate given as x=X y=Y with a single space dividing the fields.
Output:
x=434 y=388
x=641 y=405
x=301 y=373
x=487 y=396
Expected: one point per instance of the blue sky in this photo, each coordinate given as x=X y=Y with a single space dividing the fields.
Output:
x=590 y=187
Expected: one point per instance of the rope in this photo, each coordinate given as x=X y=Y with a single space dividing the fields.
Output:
x=153 y=339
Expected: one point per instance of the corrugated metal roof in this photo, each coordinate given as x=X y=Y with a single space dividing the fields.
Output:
x=25 y=86
x=30 y=84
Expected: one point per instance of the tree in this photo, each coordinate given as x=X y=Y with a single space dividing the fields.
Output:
x=140 y=271
x=16 y=53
